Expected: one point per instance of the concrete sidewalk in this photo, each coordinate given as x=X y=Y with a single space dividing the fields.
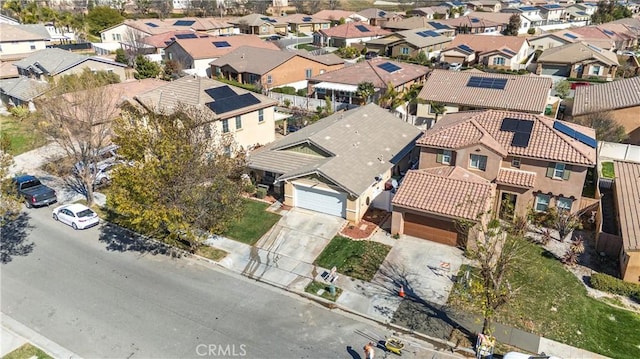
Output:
x=14 y=334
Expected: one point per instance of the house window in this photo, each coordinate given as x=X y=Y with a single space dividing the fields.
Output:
x=564 y=203
x=308 y=73
x=113 y=37
x=260 y=115
x=238 y=122
x=498 y=60
x=225 y=126
x=444 y=157
x=558 y=171
x=321 y=91
x=595 y=70
x=269 y=79
x=478 y=162
x=32 y=45
x=404 y=51
x=515 y=162
x=542 y=202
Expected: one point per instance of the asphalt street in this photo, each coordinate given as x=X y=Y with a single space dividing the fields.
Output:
x=81 y=290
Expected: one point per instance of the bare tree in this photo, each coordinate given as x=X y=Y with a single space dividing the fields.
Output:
x=333 y=4
x=313 y=6
x=607 y=129
x=77 y=115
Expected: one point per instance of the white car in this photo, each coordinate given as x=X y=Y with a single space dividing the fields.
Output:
x=455 y=66
x=76 y=215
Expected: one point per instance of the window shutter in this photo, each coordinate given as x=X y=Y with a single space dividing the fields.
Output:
x=550 y=169
x=567 y=172
x=439 y=157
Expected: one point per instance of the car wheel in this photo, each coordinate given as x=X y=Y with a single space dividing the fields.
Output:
x=55 y=217
x=28 y=204
x=74 y=226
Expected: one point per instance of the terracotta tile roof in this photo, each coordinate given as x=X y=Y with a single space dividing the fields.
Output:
x=7 y=70
x=414 y=22
x=497 y=17
x=590 y=32
x=259 y=19
x=577 y=52
x=160 y=41
x=485 y=43
x=157 y=26
x=521 y=93
x=628 y=199
x=454 y=192
x=470 y=21
x=517 y=178
x=350 y=31
x=203 y=48
x=304 y=19
x=462 y=129
x=371 y=72
x=243 y=59
x=618 y=94
x=334 y=15
x=373 y=13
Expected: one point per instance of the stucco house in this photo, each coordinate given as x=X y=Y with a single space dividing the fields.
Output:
x=496 y=51
x=132 y=30
x=502 y=161
x=627 y=199
x=335 y=16
x=306 y=24
x=246 y=116
x=410 y=43
x=258 y=24
x=578 y=60
x=348 y=34
x=340 y=164
x=552 y=12
x=17 y=41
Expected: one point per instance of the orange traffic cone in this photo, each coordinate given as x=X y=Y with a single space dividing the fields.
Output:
x=401 y=293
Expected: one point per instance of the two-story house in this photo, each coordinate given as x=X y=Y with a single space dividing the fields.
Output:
x=336 y=16
x=502 y=52
x=306 y=24
x=134 y=30
x=17 y=41
x=499 y=161
x=552 y=13
x=529 y=17
x=578 y=60
x=258 y=24
x=473 y=25
x=409 y=43
x=378 y=17
x=348 y=34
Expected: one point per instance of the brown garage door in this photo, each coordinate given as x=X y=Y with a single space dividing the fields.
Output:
x=436 y=230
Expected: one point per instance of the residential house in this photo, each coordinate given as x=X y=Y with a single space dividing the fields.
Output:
x=258 y=24
x=473 y=24
x=348 y=34
x=474 y=90
x=552 y=13
x=497 y=51
x=339 y=165
x=503 y=161
x=485 y=5
x=17 y=41
x=155 y=44
x=623 y=36
x=552 y=39
x=627 y=204
x=342 y=85
x=410 y=43
x=592 y=35
x=336 y=16
x=579 y=12
x=133 y=30
x=432 y=12
x=425 y=12
x=619 y=98
x=196 y=54
x=377 y=17
x=529 y=17
x=306 y=24
x=246 y=116
x=275 y=69
x=578 y=60
x=4 y=19
x=419 y=22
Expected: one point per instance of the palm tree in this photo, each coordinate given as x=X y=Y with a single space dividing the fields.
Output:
x=365 y=91
x=410 y=96
x=437 y=108
x=391 y=98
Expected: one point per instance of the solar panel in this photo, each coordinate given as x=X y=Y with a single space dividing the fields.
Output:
x=465 y=48
x=186 y=36
x=437 y=25
x=382 y=14
x=520 y=139
x=168 y=43
x=422 y=33
x=264 y=18
x=562 y=128
x=218 y=93
x=524 y=126
x=389 y=67
x=150 y=24
x=221 y=44
x=509 y=124
x=594 y=48
x=508 y=52
x=233 y=103
x=272 y=20
x=474 y=20
x=306 y=19
x=591 y=142
x=609 y=32
x=362 y=28
x=571 y=36
x=184 y=23
x=487 y=82
x=203 y=36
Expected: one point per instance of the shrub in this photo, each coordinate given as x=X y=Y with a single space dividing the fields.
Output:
x=261 y=192
x=607 y=283
x=20 y=112
x=288 y=90
x=531 y=31
x=250 y=188
x=302 y=92
x=287 y=103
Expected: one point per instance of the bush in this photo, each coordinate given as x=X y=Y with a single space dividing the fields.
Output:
x=614 y=285
x=302 y=92
x=261 y=192
x=20 y=112
x=287 y=90
x=531 y=31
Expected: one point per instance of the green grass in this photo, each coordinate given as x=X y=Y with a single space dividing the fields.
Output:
x=307 y=47
x=214 y=254
x=314 y=287
x=21 y=134
x=607 y=170
x=577 y=320
x=253 y=224
x=27 y=351
x=356 y=259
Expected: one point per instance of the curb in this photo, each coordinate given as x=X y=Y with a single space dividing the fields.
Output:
x=51 y=348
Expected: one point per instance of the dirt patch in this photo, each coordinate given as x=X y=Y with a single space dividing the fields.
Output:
x=371 y=221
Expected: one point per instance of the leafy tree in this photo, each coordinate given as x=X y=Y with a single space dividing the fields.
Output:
x=513 y=26
x=103 y=17
x=146 y=68
x=121 y=56
x=181 y=182
x=410 y=97
x=609 y=11
x=391 y=98
x=562 y=88
x=142 y=6
x=9 y=200
x=607 y=129
x=365 y=91
x=437 y=108
x=171 y=70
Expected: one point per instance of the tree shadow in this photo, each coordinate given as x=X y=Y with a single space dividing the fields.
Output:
x=119 y=239
x=354 y=354
x=14 y=239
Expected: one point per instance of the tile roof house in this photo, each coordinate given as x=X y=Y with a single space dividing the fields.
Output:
x=306 y=24
x=258 y=24
x=160 y=41
x=470 y=90
x=347 y=34
x=336 y=15
x=247 y=116
x=496 y=51
x=578 y=60
x=409 y=43
x=378 y=17
x=485 y=5
x=552 y=12
x=476 y=24
x=133 y=30
x=619 y=98
x=342 y=85
x=17 y=41
x=627 y=202
x=420 y=22
x=276 y=68
x=197 y=53
x=340 y=164
x=503 y=161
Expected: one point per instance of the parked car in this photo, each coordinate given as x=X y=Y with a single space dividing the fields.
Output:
x=370 y=55
x=76 y=215
x=34 y=192
x=274 y=38
x=107 y=154
x=103 y=175
x=455 y=66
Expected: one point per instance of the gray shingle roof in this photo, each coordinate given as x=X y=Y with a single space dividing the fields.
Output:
x=577 y=52
x=23 y=88
x=9 y=33
x=613 y=95
x=54 y=61
x=362 y=143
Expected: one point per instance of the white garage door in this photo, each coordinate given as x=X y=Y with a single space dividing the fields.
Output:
x=321 y=200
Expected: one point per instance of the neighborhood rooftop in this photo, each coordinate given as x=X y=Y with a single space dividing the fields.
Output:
x=613 y=95
x=628 y=198
x=374 y=72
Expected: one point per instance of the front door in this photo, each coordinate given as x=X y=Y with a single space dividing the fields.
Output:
x=507 y=205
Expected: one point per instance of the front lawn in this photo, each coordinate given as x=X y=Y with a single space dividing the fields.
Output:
x=27 y=351
x=552 y=302
x=315 y=287
x=356 y=259
x=607 y=170
x=21 y=134
x=214 y=254
x=253 y=224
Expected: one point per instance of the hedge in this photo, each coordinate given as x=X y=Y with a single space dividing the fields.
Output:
x=614 y=285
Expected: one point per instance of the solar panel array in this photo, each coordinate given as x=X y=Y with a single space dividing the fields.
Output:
x=465 y=48
x=528 y=8
x=362 y=28
x=267 y=19
x=306 y=19
x=428 y=33
x=437 y=25
x=221 y=44
x=219 y=93
x=186 y=36
x=150 y=24
x=552 y=6
x=571 y=36
x=389 y=67
x=521 y=130
x=184 y=23
x=474 y=20
x=382 y=14
x=594 y=48
x=507 y=51
x=589 y=141
x=609 y=32
x=233 y=103
x=487 y=82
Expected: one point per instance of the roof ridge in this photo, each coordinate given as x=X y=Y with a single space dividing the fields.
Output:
x=424 y=173
x=550 y=127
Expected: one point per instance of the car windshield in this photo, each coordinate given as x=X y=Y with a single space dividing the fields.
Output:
x=86 y=213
